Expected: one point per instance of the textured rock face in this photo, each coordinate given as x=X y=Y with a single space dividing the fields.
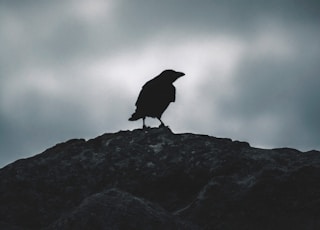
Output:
x=154 y=179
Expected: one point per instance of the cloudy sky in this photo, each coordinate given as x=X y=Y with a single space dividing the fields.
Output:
x=74 y=68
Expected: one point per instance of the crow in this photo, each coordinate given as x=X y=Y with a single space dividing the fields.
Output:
x=155 y=96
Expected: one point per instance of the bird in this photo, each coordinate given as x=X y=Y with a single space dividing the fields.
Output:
x=155 y=96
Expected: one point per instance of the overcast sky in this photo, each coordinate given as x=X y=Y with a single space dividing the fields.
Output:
x=73 y=69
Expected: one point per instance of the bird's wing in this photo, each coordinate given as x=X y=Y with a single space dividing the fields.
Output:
x=145 y=95
x=153 y=92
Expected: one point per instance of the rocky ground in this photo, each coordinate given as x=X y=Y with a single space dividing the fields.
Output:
x=155 y=179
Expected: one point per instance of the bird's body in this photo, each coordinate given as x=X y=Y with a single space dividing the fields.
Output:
x=155 y=96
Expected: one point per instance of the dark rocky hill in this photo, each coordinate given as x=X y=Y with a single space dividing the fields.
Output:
x=155 y=179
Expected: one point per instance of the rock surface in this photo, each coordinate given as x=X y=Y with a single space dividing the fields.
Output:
x=155 y=179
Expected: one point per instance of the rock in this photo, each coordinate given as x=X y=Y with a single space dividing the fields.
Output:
x=114 y=209
x=155 y=179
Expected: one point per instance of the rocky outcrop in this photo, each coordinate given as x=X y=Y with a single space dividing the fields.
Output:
x=155 y=179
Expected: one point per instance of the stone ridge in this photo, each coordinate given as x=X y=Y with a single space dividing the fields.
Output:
x=155 y=179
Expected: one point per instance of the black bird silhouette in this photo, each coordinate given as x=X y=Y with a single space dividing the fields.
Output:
x=155 y=96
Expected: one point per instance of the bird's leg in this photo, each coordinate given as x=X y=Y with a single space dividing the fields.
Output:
x=144 y=125
x=162 y=124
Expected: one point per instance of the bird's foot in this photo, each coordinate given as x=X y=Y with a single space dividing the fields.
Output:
x=162 y=125
x=165 y=128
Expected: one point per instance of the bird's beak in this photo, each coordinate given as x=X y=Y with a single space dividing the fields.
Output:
x=180 y=74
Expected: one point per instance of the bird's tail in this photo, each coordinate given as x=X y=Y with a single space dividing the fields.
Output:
x=134 y=117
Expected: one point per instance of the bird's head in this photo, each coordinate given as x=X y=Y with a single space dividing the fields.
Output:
x=171 y=75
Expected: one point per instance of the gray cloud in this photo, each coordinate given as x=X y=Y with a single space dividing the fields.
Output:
x=74 y=68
